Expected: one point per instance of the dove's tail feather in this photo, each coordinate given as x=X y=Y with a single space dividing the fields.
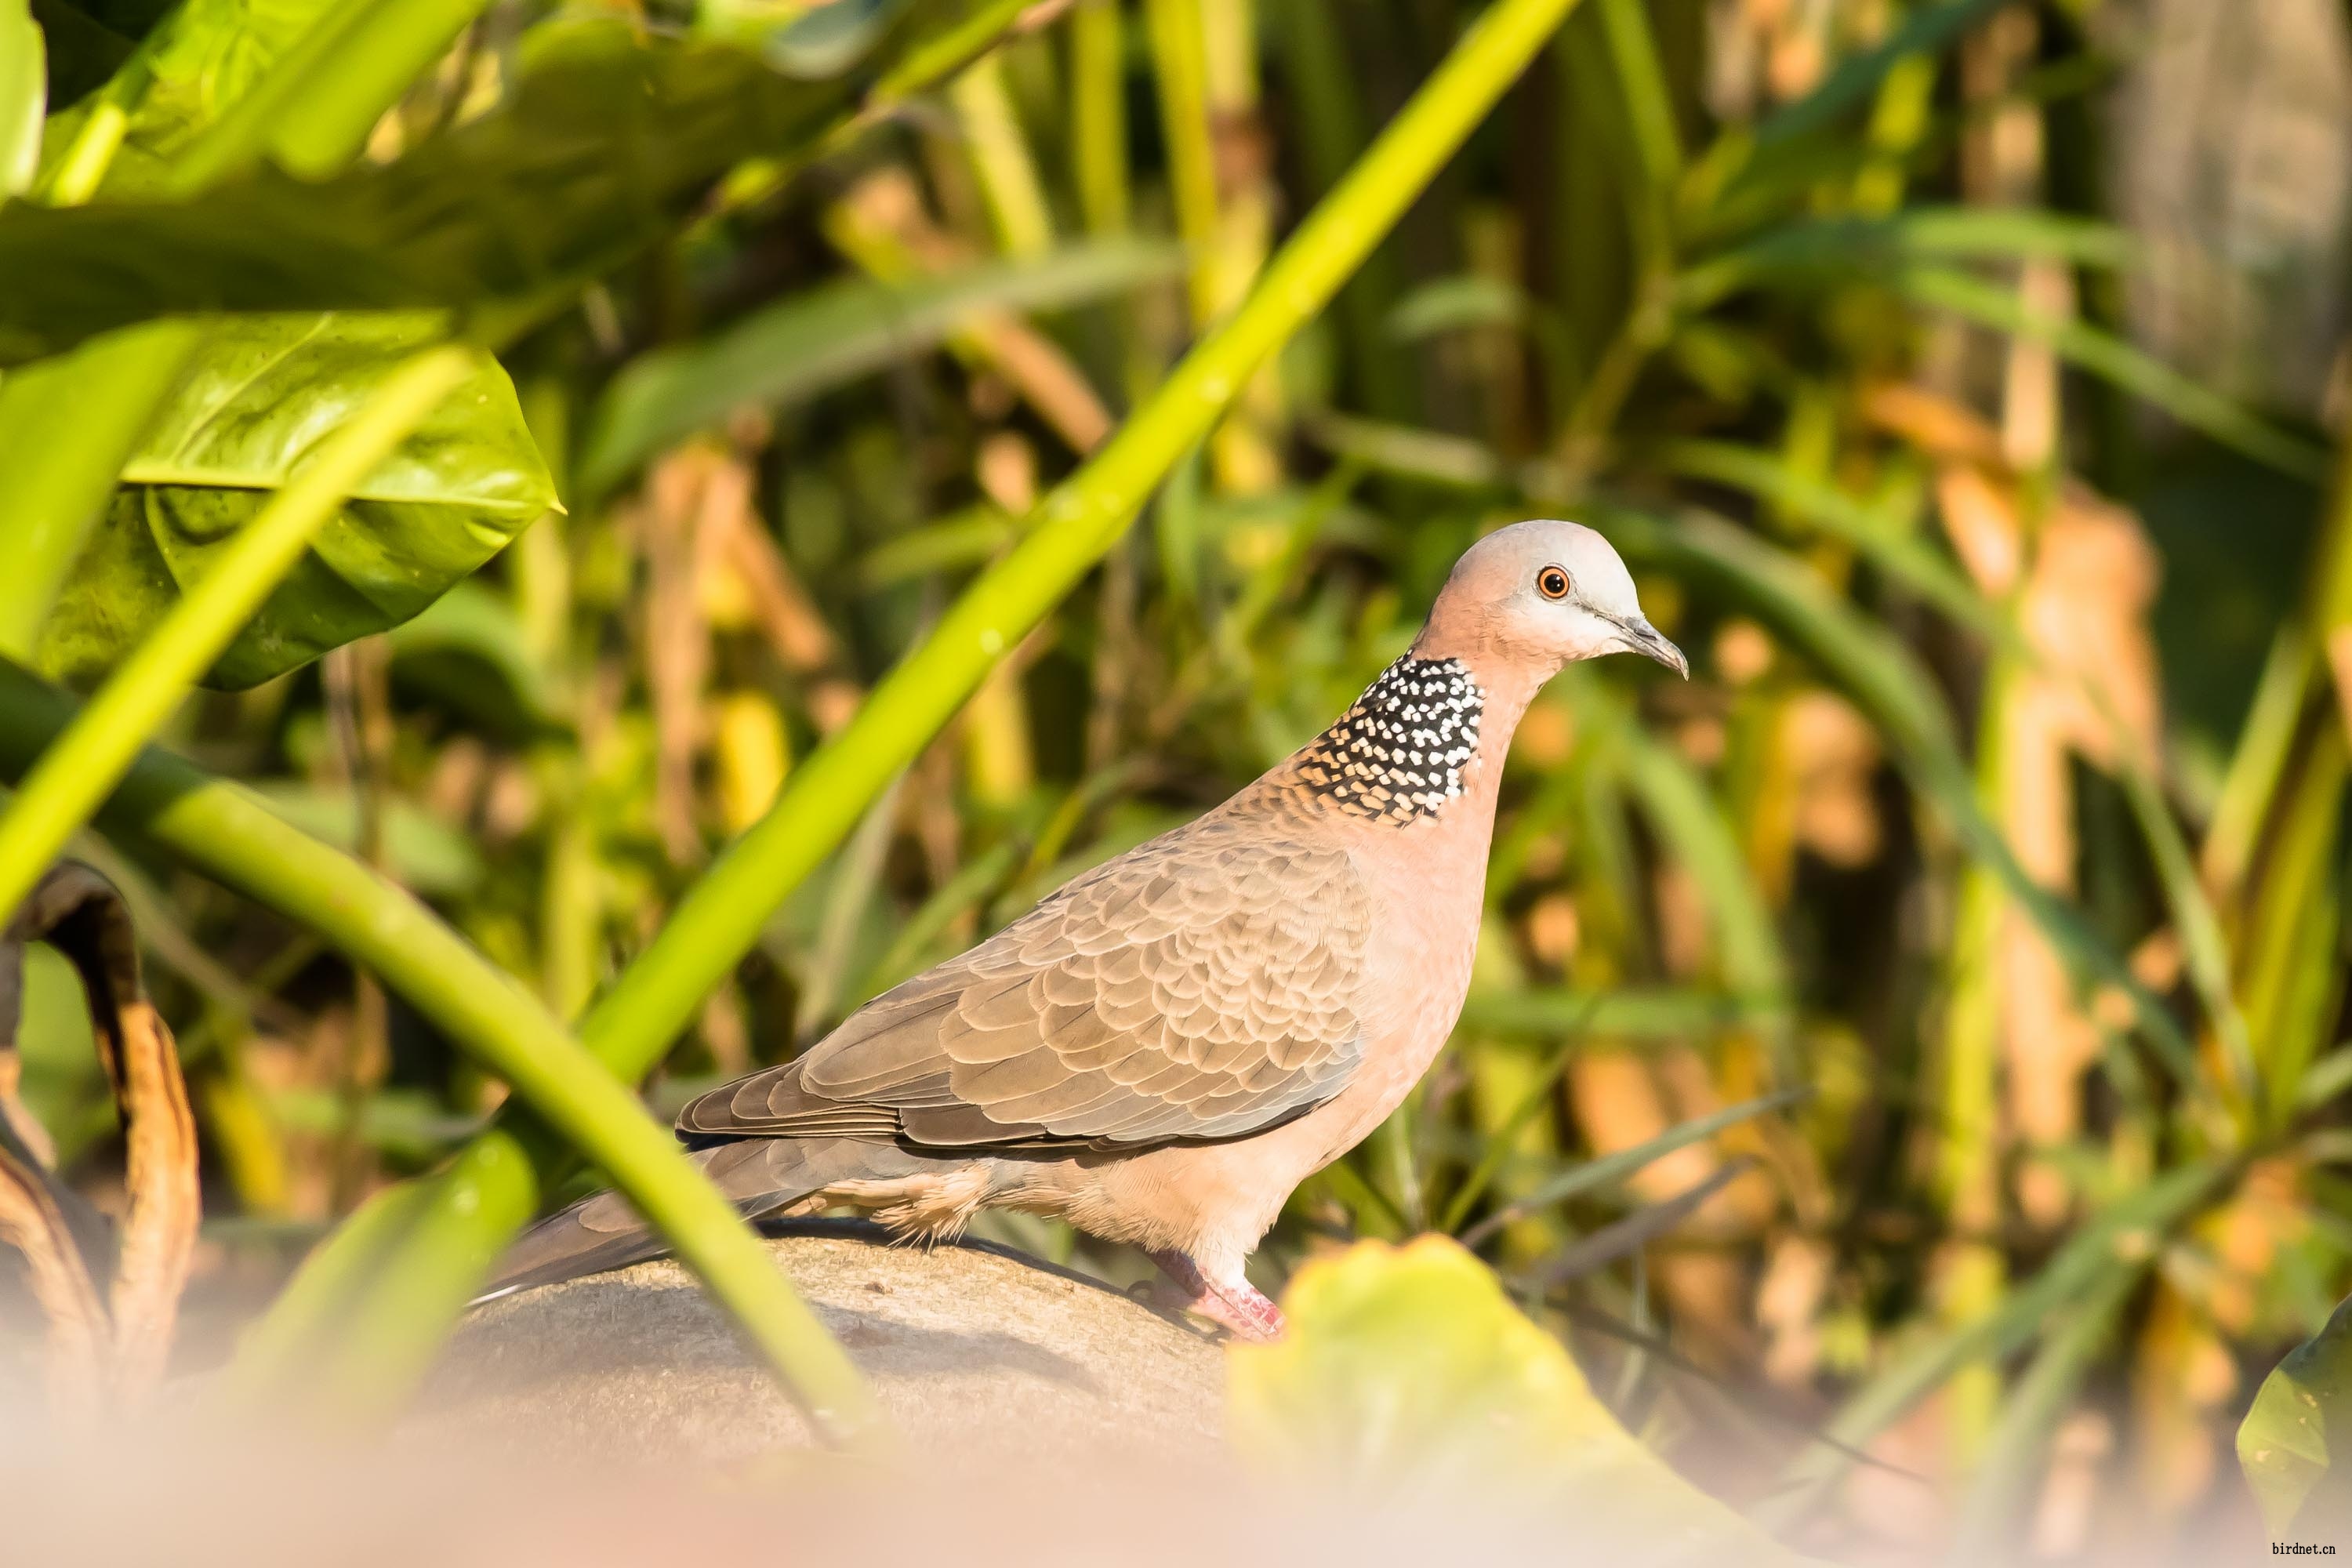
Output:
x=759 y=1176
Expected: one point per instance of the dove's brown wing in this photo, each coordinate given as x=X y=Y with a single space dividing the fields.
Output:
x=1200 y=986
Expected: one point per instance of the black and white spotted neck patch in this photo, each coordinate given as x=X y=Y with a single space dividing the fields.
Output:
x=1400 y=753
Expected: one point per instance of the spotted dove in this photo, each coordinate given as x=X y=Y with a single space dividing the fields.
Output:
x=1162 y=1050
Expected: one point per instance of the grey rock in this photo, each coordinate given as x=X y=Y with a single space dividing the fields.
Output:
x=964 y=1345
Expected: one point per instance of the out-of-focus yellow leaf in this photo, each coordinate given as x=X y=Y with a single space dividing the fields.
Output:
x=1407 y=1374
x=754 y=754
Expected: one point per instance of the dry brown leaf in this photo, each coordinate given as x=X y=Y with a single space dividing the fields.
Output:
x=1939 y=425
x=76 y=1330
x=80 y=914
x=1832 y=755
x=1789 y=1299
x=1980 y=519
x=1743 y=651
x=2084 y=589
x=687 y=489
x=2094 y=584
x=1552 y=928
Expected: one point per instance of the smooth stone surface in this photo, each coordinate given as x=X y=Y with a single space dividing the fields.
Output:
x=965 y=1344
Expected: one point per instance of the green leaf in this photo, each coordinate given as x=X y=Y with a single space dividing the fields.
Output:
x=1927 y=30
x=1608 y=1169
x=469 y=632
x=795 y=349
x=2295 y=1445
x=24 y=93
x=312 y=110
x=2109 y=357
x=421 y=852
x=211 y=53
x=1838 y=249
x=1451 y=304
x=1625 y=1012
x=606 y=140
x=67 y=426
x=1406 y=1373
x=1885 y=539
x=262 y=395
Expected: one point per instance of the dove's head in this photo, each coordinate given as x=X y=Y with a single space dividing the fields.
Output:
x=1537 y=596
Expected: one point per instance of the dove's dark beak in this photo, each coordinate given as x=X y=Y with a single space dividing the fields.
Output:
x=1643 y=638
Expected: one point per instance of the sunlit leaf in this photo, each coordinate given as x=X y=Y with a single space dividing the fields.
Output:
x=263 y=395
x=607 y=138
x=1406 y=1373
x=207 y=56
x=24 y=93
x=2295 y=1445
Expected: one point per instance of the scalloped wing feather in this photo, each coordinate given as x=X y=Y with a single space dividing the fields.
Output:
x=1200 y=986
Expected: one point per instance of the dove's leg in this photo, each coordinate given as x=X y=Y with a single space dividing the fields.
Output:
x=1235 y=1302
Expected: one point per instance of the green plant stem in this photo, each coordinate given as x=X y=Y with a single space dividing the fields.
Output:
x=455 y=1222
x=1099 y=115
x=65 y=787
x=67 y=426
x=1180 y=74
x=720 y=918
x=82 y=169
x=1000 y=158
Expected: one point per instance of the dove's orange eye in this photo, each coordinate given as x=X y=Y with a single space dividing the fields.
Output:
x=1552 y=582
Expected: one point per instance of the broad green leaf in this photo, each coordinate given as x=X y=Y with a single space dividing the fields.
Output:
x=262 y=395
x=607 y=139
x=792 y=351
x=2295 y=1445
x=24 y=93
x=201 y=60
x=1406 y=1373
x=210 y=57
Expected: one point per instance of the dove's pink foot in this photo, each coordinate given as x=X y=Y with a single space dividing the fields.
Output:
x=1235 y=1303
